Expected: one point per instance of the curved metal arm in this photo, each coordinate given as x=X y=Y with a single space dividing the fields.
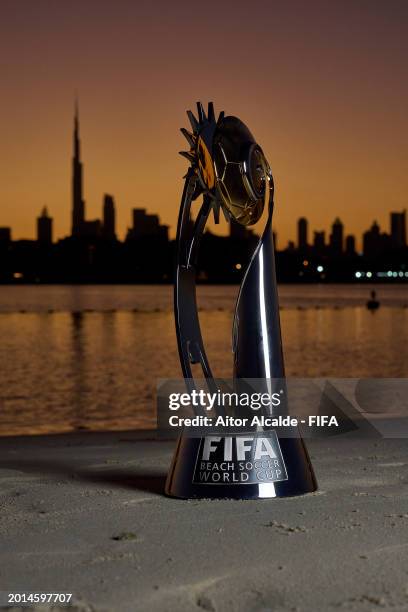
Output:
x=189 y=339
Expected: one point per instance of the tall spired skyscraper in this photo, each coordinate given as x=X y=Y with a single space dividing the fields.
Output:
x=78 y=204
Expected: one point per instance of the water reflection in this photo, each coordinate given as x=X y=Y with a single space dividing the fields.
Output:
x=62 y=371
x=78 y=371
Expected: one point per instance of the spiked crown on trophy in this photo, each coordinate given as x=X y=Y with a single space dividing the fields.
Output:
x=230 y=166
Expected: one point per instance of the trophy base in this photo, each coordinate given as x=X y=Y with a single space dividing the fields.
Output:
x=285 y=472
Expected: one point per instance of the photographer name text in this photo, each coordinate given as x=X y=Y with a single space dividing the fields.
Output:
x=255 y=421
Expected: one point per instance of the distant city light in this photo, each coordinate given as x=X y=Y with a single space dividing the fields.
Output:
x=395 y=274
x=389 y=273
x=18 y=275
x=305 y=262
x=238 y=266
x=320 y=268
x=369 y=275
x=357 y=274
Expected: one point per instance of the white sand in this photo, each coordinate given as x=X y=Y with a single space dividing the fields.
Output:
x=65 y=498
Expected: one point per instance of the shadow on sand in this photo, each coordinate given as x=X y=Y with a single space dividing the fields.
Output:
x=148 y=481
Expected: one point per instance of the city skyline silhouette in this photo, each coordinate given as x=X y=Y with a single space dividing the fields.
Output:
x=323 y=89
x=81 y=227
x=92 y=252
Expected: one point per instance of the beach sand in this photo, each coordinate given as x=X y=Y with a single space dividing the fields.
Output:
x=85 y=514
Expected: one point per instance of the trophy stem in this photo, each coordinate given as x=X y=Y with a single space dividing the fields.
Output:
x=257 y=342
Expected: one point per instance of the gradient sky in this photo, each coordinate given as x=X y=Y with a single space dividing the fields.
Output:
x=322 y=85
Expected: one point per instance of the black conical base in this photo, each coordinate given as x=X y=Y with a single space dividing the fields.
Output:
x=191 y=475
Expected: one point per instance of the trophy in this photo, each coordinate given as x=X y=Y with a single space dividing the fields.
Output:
x=229 y=170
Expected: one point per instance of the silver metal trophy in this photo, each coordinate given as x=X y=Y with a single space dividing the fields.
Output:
x=229 y=170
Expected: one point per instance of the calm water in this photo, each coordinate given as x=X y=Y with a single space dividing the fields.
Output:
x=89 y=357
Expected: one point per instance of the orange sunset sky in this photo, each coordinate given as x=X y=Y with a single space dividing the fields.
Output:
x=322 y=85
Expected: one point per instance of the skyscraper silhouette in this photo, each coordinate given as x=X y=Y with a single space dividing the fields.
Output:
x=78 y=204
x=108 y=228
x=350 y=245
x=5 y=234
x=319 y=242
x=336 y=238
x=44 y=228
x=375 y=242
x=398 y=226
x=146 y=226
x=302 y=233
